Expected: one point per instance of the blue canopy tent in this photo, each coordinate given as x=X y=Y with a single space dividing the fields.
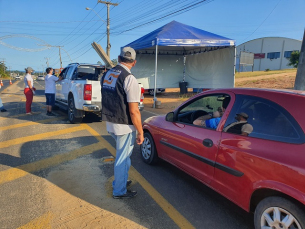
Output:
x=184 y=53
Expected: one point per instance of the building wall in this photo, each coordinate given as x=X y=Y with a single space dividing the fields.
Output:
x=268 y=45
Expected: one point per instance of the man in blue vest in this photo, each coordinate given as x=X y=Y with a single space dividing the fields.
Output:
x=120 y=98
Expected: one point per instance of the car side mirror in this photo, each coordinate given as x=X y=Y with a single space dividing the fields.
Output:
x=170 y=117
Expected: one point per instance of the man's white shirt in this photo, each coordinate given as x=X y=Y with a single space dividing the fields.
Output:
x=50 y=86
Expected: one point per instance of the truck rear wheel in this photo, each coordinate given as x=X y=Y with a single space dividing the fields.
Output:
x=72 y=111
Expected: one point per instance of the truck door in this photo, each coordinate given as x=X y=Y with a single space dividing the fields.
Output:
x=59 y=94
x=66 y=83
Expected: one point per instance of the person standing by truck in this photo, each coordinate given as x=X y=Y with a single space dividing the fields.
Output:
x=50 y=90
x=120 y=98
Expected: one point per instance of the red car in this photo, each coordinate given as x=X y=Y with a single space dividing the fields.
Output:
x=254 y=154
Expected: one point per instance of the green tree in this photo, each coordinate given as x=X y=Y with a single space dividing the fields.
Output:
x=115 y=62
x=294 y=59
x=3 y=72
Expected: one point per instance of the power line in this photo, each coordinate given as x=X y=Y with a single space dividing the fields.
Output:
x=178 y=11
x=76 y=26
x=45 y=22
x=262 y=22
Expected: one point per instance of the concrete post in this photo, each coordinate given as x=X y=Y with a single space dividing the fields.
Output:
x=299 y=83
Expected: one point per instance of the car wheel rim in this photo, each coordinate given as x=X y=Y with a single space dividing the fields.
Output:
x=278 y=218
x=146 y=148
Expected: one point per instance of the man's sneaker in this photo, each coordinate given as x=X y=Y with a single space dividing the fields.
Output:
x=51 y=114
x=3 y=110
x=129 y=194
x=128 y=183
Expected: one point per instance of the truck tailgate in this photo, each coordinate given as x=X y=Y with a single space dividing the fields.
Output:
x=96 y=92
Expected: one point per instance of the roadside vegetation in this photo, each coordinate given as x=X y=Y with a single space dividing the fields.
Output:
x=263 y=73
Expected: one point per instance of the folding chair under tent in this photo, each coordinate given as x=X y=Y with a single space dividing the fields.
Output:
x=177 y=53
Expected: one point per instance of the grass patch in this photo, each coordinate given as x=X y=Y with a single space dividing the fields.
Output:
x=263 y=73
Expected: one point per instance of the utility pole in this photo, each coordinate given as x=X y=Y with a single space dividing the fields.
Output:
x=108 y=24
x=59 y=52
x=299 y=83
x=60 y=57
x=47 y=61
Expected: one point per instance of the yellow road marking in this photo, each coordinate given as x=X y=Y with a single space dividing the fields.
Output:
x=30 y=123
x=43 y=221
x=39 y=136
x=23 y=170
x=157 y=197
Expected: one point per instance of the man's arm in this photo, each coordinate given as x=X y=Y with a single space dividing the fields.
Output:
x=136 y=120
x=200 y=121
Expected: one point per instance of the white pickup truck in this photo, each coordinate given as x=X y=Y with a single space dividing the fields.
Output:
x=79 y=91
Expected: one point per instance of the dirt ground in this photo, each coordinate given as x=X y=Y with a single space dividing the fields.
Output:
x=171 y=98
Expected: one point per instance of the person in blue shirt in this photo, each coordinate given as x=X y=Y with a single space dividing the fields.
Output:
x=212 y=120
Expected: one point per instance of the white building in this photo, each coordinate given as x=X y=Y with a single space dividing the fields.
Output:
x=269 y=53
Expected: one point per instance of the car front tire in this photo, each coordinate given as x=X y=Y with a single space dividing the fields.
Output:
x=148 y=150
x=278 y=212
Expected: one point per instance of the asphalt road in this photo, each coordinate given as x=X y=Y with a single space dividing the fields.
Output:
x=40 y=154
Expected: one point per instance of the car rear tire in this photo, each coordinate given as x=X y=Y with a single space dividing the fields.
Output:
x=72 y=111
x=148 y=150
x=278 y=212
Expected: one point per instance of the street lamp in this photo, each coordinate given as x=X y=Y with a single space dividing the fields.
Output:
x=108 y=31
x=87 y=8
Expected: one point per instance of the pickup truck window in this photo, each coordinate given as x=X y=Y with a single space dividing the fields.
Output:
x=69 y=73
x=86 y=73
x=63 y=73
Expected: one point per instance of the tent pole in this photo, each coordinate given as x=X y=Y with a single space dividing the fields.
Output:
x=156 y=68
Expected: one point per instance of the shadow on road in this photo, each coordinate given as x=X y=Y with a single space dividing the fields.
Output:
x=199 y=204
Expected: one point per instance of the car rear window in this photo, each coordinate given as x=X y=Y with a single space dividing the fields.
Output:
x=269 y=120
x=88 y=73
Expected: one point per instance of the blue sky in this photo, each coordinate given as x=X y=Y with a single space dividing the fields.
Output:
x=67 y=23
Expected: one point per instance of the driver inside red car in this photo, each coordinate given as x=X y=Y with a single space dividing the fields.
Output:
x=212 y=120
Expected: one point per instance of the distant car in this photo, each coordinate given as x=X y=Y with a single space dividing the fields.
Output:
x=40 y=78
x=151 y=91
x=261 y=170
x=17 y=77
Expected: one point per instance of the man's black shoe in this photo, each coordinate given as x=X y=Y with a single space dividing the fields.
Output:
x=128 y=183
x=51 y=114
x=129 y=194
x=3 y=110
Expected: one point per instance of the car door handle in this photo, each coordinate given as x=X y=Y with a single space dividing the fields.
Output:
x=207 y=142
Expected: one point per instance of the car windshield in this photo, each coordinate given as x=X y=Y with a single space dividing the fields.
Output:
x=208 y=104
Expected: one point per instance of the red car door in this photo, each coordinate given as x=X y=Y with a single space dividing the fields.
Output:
x=191 y=148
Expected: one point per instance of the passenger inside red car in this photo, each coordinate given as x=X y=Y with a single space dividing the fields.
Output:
x=212 y=120
x=241 y=126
